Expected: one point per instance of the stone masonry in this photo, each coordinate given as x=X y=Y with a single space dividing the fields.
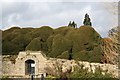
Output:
x=14 y=66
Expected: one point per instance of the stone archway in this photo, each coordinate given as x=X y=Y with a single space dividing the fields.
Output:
x=29 y=67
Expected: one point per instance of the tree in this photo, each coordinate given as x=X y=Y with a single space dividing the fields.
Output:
x=73 y=24
x=69 y=23
x=87 y=20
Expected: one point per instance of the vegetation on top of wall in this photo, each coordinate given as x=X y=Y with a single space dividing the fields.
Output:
x=79 y=72
x=64 y=42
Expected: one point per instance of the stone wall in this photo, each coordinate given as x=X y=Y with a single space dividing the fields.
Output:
x=8 y=67
x=15 y=66
x=69 y=64
x=0 y=66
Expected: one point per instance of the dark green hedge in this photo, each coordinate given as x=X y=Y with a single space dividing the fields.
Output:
x=65 y=42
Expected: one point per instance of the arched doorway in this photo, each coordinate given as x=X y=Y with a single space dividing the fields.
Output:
x=29 y=67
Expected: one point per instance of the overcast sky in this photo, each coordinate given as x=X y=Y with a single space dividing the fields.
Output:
x=55 y=14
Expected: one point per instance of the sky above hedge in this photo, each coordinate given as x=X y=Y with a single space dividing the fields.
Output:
x=55 y=14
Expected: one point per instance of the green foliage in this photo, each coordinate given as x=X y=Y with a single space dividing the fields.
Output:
x=73 y=24
x=57 y=46
x=64 y=55
x=65 y=42
x=15 y=40
x=85 y=41
x=10 y=30
x=5 y=78
x=9 y=48
x=34 y=45
x=83 y=35
x=90 y=56
x=49 y=43
x=43 y=32
x=80 y=72
x=87 y=20
x=82 y=55
x=63 y=30
x=21 y=41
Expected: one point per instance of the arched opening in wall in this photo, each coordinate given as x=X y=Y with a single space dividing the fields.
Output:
x=29 y=67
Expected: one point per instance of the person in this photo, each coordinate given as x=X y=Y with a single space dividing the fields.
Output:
x=32 y=77
x=42 y=77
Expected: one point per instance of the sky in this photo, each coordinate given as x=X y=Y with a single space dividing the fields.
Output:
x=104 y=15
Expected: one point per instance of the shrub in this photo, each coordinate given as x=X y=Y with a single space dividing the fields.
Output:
x=64 y=55
x=15 y=40
x=34 y=45
x=80 y=72
x=43 y=32
x=9 y=48
x=83 y=42
x=60 y=44
x=49 y=43
x=63 y=30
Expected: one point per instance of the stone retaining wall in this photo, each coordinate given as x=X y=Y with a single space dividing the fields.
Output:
x=17 y=67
